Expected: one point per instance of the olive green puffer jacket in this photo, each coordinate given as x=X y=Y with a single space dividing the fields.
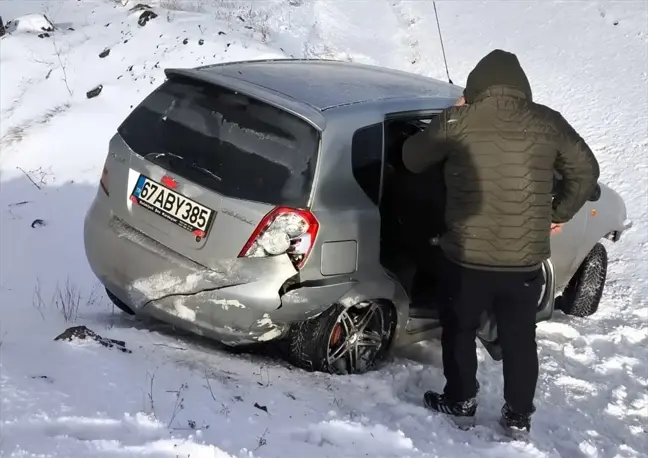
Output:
x=499 y=153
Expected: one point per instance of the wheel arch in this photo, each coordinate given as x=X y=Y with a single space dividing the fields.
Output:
x=387 y=290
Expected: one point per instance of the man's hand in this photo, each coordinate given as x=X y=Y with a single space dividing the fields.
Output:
x=460 y=101
x=556 y=228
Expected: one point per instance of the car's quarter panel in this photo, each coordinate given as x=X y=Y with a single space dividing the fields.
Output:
x=344 y=212
x=564 y=247
x=604 y=216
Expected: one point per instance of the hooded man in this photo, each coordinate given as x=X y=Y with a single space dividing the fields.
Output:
x=500 y=151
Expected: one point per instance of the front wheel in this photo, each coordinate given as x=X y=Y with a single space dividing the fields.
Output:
x=585 y=289
x=343 y=340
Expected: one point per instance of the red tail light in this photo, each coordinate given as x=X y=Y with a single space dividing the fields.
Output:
x=104 y=180
x=283 y=230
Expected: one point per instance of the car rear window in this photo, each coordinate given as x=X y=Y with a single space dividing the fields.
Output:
x=225 y=141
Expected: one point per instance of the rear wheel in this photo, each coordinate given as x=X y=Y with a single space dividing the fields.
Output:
x=344 y=340
x=585 y=289
x=118 y=303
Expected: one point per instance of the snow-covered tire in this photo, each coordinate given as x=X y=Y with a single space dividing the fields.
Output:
x=118 y=303
x=315 y=343
x=583 y=293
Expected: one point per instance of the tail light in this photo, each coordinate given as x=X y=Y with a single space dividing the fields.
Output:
x=104 y=180
x=283 y=230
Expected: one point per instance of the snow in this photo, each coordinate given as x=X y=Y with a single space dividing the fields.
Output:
x=180 y=395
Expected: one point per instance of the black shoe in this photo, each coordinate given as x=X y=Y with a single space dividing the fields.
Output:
x=516 y=425
x=462 y=412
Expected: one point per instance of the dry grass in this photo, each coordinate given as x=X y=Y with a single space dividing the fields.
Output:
x=67 y=299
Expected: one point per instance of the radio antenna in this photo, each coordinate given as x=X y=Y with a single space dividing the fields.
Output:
x=445 y=61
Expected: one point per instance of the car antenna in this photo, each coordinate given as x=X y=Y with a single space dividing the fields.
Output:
x=436 y=14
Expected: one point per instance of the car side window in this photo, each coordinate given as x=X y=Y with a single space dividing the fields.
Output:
x=366 y=159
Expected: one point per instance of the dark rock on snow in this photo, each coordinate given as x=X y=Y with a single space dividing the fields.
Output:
x=37 y=222
x=83 y=333
x=2 y=28
x=104 y=53
x=145 y=17
x=43 y=35
x=94 y=92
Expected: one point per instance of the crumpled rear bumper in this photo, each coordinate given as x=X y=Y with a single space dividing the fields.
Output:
x=240 y=302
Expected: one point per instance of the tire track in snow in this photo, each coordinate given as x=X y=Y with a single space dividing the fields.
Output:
x=363 y=31
x=410 y=42
x=425 y=53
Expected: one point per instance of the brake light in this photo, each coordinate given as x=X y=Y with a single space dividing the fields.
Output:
x=283 y=230
x=104 y=180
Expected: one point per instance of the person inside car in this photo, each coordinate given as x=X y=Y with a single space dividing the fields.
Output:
x=499 y=150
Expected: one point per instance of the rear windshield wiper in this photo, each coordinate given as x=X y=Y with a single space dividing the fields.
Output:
x=185 y=162
x=206 y=171
x=159 y=155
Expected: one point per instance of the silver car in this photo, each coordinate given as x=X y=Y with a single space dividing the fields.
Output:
x=264 y=200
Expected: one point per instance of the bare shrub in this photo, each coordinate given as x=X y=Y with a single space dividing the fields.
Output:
x=67 y=299
x=192 y=6
x=150 y=378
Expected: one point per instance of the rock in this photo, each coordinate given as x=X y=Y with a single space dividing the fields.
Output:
x=83 y=333
x=145 y=17
x=94 y=92
x=222 y=33
x=2 y=28
x=201 y=42
x=185 y=41
x=43 y=35
x=104 y=53
x=37 y=222
x=71 y=29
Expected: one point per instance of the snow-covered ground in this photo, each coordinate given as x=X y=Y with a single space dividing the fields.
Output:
x=176 y=395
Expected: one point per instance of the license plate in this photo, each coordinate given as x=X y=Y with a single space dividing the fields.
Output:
x=174 y=207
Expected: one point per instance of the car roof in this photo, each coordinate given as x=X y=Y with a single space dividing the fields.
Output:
x=320 y=84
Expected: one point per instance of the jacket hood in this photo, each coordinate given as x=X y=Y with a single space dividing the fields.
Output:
x=498 y=68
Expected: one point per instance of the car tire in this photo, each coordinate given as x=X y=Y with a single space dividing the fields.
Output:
x=319 y=344
x=118 y=303
x=583 y=293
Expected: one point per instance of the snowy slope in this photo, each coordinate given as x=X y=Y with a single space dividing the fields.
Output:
x=176 y=395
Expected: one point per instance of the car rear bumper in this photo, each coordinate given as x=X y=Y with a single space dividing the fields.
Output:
x=238 y=303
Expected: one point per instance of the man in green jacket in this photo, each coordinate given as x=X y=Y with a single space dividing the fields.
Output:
x=499 y=151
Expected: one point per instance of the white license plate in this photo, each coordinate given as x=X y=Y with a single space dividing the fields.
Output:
x=172 y=206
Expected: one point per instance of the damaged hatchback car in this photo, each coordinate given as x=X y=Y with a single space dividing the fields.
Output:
x=267 y=200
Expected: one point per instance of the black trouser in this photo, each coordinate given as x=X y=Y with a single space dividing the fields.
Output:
x=513 y=297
